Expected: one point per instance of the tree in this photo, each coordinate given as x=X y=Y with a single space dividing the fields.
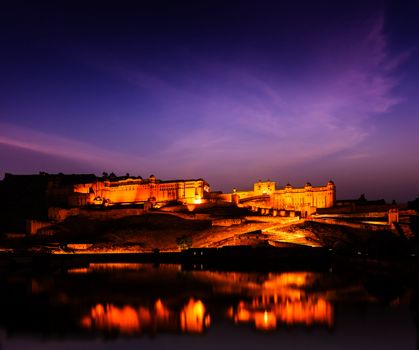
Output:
x=184 y=242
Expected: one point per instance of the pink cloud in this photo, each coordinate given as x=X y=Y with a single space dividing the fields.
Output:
x=62 y=147
x=328 y=111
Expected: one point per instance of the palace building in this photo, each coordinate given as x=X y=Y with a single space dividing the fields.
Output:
x=38 y=192
x=303 y=199
x=129 y=190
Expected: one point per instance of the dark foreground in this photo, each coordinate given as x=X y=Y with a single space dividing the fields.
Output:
x=248 y=258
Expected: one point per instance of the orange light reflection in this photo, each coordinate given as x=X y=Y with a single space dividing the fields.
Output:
x=126 y=319
x=284 y=298
x=193 y=318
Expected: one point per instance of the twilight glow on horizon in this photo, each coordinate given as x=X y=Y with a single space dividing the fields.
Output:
x=231 y=91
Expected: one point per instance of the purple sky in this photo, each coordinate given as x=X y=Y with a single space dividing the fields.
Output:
x=293 y=91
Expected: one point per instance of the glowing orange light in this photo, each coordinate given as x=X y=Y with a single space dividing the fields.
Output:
x=306 y=312
x=243 y=315
x=283 y=298
x=86 y=322
x=265 y=320
x=114 y=266
x=124 y=319
x=78 y=270
x=161 y=312
x=193 y=318
x=128 y=319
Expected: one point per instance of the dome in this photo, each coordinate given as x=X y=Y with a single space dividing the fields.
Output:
x=330 y=183
x=308 y=184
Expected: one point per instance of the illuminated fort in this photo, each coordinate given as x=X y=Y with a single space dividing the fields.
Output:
x=303 y=199
x=78 y=190
x=127 y=190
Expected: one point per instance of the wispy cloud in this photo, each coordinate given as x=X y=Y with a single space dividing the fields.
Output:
x=262 y=119
x=64 y=148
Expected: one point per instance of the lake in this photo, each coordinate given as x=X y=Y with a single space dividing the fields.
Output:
x=167 y=306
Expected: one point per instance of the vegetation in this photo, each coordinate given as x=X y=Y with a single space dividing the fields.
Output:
x=184 y=242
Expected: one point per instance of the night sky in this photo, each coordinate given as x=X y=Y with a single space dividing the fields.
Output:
x=230 y=91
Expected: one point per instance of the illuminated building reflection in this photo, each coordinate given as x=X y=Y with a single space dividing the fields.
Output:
x=193 y=318
x=109 y=317
x=131 y=300
x=108 y=267
x=265 y=301
x=126 y=319
x=285 y=299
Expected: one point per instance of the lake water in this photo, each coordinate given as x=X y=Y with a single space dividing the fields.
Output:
x=137 y=306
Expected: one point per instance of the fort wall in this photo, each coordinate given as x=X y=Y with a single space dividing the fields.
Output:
x=226 y=222
x=36 y=226
x=264 y=187
x=56 y=214
x=306 y=199
x=137 y=190
x=300 y=199
x=376 y=226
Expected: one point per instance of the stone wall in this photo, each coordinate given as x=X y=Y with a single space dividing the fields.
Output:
x=213 y=197
x=302 y=198
x=305 y=200
x=263 y=187
x=273 y=219
x=226 y=222
x=107 y=214
x=35 y=226
x=137 y=190
x=60 y=214
x=357 y=225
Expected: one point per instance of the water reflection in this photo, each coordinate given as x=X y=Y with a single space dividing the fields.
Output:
x=265 y=301
x=127 y=319
x=285 y=298
x=108 y=267
x=135 y=299
x=193 y=317
x=266 y=316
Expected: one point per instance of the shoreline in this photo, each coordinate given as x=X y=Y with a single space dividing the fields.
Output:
x=259 y=259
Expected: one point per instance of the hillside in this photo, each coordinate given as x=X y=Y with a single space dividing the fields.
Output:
x=163 y=231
